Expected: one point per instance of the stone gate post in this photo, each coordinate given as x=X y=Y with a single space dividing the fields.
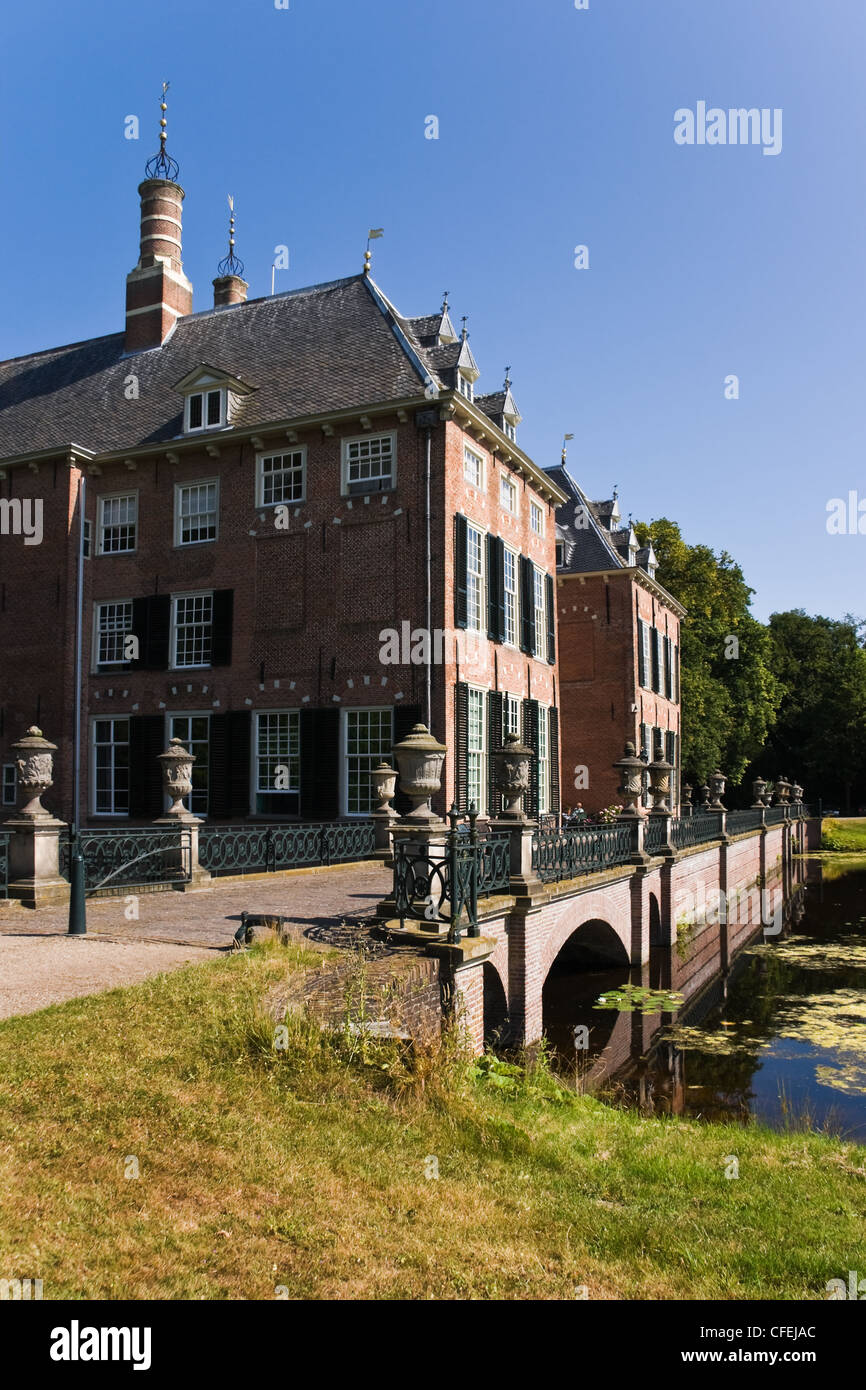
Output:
x=34 y=842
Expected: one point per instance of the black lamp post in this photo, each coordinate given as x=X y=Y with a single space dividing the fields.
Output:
x=77 y=900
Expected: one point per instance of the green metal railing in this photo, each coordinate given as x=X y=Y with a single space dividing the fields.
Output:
x=437 y=881
x=696 y=830
x=738 y=822
x=568 y=853
x=234 y=849
x=118 y=860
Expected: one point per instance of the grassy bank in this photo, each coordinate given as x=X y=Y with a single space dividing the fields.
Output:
x=844 y=835
x=312 y=1168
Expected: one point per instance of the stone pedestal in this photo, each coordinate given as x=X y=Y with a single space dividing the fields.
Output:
x=524 y=880
x=34 y=861
x=462 y=977
x=183 y=850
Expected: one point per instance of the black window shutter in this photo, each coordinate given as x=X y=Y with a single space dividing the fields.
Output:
x=551 y=618
x=553 y=745
x=461 y=744
x=229 y=792
x=655 y=654
x=495 y=588
x=151 y=624
x=527 y=606
x=146 y=742
x=494 y=741
x=221 y=640
x=676 y=673
x=671 y=748
x=460 y=569
x=320 y=764
x=530 y=738
x=405 y=718
x=641 y=661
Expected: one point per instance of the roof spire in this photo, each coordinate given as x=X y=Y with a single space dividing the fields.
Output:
x=565 y=439
x=464 y=334
x=231 y=265
x=445 y=302
x=162 y=166
x=507 y=378
x=373 y=235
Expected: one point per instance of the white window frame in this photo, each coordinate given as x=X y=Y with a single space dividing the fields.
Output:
x=543 y=760
x=647 y=657
x=540 y=610
x=257 y=789
x=98 y=606
x=10 y=784
x=94 y=805
x=472 y=456
x=476 y=580
x=179 y=490
x=509 y=486
x=299 y=454
x=536 y=515
x=465 y=386
x=476 y=757
x=117 y=497
x=512 y=709
x=512 y=611
x=170 y=717
x=346 y=448
x=344 y=752
x=205 y=392
x=175 y=627
x=510 y=431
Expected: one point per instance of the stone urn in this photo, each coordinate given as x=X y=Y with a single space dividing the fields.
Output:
x=797 y=793
x=420 y=759
x=783 y=791
x=631 y=770
x=759 y=789
x=35 y=767
x=512 y=766
x=704 y=793
x=176 y=764
x=717 y=787
x=660 y=782
x=384 y=780
x=687 y=794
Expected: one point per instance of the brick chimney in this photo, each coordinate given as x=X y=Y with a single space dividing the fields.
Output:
x=229 y=289
x=157 y=291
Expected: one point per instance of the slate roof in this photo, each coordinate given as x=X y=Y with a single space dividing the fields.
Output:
x=586 y=548
x=307 y=352
x=492 y=404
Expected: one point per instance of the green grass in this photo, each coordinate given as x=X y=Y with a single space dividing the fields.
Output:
x=846 y=835
x=305 y=1168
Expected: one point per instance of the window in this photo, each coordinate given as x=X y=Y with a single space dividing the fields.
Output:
x=476 y=760
x=192 y=630
x=369 y=739
x=647 y=656
x=113 y=622
x=369 y=463
x=509 y=591
x=543 y=762
x=87 y=534
x=476 y=607
x=195 y=513
x=540 y=610
x=118 y=518
x=536 y=518
x=193 y=730
x=465 y=385
x=508 y=494
x=205 y=410
x=510 y=715
x=509 y=431
x=560 y=553
x=278 y=762
x=473 y=467
x=9 y=784
x=110 y=767
x=282 y=478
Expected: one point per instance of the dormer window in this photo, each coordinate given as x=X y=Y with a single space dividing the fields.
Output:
x=205 y=410
x=560 y=554
x=509 y=431
x=465 y=385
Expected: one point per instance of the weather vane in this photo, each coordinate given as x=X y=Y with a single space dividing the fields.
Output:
x=231 y=265
x=162 y=166
x=373 y=235
x=565 y=439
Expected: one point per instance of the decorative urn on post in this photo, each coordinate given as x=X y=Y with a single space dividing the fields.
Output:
x=660 y=782
x=704 y=793
x=686 y=805
x=631 y=770
x=176 y=764
x=384 y=779
x=759 y=788
x=35 y=767
x=512 y=764
x=717 y=785
x=783 y=791
x=797 y=793
x=419 y=759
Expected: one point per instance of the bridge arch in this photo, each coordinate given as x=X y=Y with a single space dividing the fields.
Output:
x=495 y=1005
x=591 y=960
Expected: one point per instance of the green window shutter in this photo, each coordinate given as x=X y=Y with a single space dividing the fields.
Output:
x=553 y=745
x=495 y=588
x=320 y=763
x=151 y=624
x=641 y=663
x=655 y=653
x=405 y=719
x=460 y=572
x=229 y=791
x=527 y=606
x=221 y=638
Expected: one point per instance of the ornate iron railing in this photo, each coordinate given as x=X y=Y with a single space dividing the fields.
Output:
x=267 y=848
x=777 y=814
x=117 y=860
x=696 y=829
x=4 y=864
x=738 y=822
x=436 y=881
x=655 y=834
x=568 y=853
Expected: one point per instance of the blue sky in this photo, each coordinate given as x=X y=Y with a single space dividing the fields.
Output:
x=555 y=130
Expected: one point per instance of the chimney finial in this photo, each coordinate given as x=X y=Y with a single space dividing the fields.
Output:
x=162 y=166
x=231 y=264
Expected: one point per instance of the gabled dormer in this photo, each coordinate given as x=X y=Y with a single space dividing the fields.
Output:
x=211 y=398
x=501 y=407
x=435 y=330
x=467 y=372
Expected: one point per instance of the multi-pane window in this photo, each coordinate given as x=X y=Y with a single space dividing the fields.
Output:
x=113 y=622
x=205 y=410
x=110 y=767
x=508 y=493
x=647 y=655
x=118 y=517
x=86 y=539
x=476 y=749
x=465 y=385
x=510 y=715
x=278 y=760
x=9 y=784
x=196 y=513
x=369 y=739
x=543 y=762
x=476 y=616
x=509 y=431
x=282 y=478
x=192 y=630
x=538 y=604
x=369 y=463
x=473 y=467
x=193 y=730
x=510 y=596
x=536 y=518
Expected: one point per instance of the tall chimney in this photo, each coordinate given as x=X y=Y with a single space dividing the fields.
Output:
x=157 y=291
x=230 y=287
